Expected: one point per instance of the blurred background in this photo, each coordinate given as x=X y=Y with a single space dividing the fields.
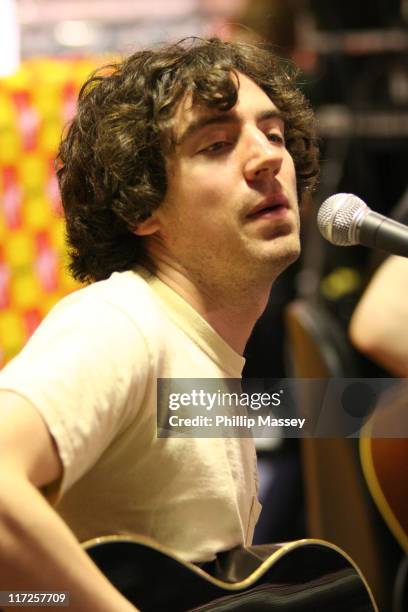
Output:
x=353 y=61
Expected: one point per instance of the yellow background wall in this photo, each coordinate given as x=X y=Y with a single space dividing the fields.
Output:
x=35 y=105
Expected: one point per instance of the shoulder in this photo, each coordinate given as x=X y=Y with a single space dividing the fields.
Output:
x=107 y=325
x=126 y=292
x=119 y=309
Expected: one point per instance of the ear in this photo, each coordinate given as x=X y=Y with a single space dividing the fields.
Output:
x=147 y=227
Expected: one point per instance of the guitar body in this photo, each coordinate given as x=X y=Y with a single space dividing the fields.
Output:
x=384 y=462
x=302 y=576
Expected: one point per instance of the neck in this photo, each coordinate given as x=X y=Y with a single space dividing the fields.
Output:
x=231 y=311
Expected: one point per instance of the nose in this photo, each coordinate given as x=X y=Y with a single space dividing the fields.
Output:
x=263 y=157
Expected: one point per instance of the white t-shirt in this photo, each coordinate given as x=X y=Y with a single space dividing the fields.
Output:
x=91 y=370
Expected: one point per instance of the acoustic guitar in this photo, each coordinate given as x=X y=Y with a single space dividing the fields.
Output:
x=384 y=460
x=301 y=576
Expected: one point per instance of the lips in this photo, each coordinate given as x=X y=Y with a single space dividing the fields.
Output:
x=271 y=205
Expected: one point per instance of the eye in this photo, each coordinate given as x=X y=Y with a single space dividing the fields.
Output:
x=216 y=147
x=276 y=138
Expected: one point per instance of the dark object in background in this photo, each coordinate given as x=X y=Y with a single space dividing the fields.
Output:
x=358 y=15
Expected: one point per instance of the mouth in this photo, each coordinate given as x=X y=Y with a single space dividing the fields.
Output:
x=270 y=208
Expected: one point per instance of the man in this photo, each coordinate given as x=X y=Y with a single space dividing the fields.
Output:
x=384 y=301
x=180 y=178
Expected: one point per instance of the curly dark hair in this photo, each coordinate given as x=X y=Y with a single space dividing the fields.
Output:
x=111 y=162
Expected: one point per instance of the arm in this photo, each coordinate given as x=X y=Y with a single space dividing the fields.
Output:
x=37 y=550
x=379 y=326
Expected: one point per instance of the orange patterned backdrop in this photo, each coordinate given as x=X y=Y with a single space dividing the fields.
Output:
x=35 y=105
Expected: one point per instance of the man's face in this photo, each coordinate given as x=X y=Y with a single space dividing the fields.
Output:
x=230 y=210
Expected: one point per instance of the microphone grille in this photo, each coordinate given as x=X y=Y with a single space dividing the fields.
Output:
x=337 y=216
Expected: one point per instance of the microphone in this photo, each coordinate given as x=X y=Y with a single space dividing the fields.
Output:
x=345 y=220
